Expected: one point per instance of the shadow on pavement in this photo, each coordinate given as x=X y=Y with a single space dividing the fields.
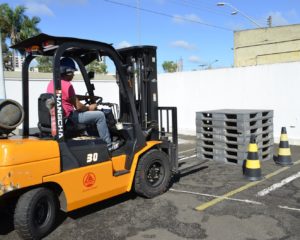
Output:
x=101 y=205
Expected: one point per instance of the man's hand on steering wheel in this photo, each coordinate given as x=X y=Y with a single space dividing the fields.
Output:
x=88 y=99
x=92 y=107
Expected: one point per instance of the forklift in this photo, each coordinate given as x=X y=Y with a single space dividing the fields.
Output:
x=43 y=172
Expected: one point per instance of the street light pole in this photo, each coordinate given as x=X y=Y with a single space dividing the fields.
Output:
x=220 y=4
x=2 y=83
x=210 y=65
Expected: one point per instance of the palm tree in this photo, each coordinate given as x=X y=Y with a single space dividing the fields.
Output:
x=29 y=27
x=12 y=21
x=15 y=25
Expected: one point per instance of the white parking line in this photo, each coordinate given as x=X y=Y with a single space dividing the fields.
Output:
x=277 y=185
x=215 y=196
x=231 y=199
x=289 y=208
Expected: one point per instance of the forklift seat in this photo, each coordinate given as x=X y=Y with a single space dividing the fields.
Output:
x=44 y=123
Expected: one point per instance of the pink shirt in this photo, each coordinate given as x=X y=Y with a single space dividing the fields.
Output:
x=67 y=92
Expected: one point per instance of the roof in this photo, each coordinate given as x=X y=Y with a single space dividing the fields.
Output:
x=42 y=38
x=47 y=46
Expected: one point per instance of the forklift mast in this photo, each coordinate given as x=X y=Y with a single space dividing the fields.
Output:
x=141 y=62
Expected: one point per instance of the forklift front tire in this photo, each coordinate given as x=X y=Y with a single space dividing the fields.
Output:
x=35 y=213
x=153 y=174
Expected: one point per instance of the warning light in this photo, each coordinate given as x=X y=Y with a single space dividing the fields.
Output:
x=49 y=45
x=34 y=50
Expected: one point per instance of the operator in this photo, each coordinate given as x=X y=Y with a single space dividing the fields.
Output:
x=73 y=108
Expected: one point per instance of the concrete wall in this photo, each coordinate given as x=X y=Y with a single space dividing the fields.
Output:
x=267 y=45
x=273 y=87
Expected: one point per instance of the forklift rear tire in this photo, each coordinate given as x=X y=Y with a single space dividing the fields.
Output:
x=35 y=213
x=153 y=174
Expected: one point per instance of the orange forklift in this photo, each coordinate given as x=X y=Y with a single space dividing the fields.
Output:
x=42 y=172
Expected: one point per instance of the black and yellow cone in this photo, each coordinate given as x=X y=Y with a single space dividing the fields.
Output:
x=252 y=169
x=284 y=152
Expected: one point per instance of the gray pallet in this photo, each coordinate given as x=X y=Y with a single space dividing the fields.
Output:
x=264 y=154
x=230 y=149
x=241 y=127
x=232 y=146
x=235 y=124
x=224 y=135
x=235 y=114
x=232 y=160
x=235 y=136
x=237 y=139
x=227 y=131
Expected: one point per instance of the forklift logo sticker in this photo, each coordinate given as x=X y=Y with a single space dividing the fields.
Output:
x=59 y=114
x=89 y=179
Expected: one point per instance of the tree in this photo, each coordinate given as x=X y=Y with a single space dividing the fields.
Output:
x=97 y=67
x=169 y=66
x=29 y=27
x=44 y=63
x=11 y=21
x=15 y=25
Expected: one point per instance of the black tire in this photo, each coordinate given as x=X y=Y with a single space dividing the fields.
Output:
x=35 y=213
x=153 y=174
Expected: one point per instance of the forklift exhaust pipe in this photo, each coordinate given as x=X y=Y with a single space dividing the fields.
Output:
x=11 y=115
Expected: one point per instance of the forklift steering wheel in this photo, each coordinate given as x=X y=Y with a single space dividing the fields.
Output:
x=87 y=99
x=99 y=100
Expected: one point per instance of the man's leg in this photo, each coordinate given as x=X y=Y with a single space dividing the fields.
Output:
x=98 y=117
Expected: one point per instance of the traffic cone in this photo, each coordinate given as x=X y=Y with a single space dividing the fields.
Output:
x=284 y=152
x=252 y=170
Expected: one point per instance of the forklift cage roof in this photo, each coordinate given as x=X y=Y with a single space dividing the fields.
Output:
x=83 y=52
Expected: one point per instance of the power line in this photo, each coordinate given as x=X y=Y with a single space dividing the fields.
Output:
x=167 y=15
x=199 y=7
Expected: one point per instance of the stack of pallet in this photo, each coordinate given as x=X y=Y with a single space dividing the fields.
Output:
x=224 y=135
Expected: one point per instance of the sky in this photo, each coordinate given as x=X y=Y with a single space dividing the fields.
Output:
x=198 y=32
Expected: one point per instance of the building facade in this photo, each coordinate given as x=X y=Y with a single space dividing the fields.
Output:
x=18 y=62
x=267 y=45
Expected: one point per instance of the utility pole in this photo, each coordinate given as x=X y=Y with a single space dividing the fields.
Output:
x=270 y=21
x=2 y=83
x=138 y=13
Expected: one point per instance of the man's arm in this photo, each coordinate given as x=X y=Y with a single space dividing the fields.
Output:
x=80 y=107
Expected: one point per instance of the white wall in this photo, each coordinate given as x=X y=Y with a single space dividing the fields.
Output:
x=273 y=87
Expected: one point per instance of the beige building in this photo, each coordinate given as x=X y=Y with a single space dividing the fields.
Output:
x=267 y=45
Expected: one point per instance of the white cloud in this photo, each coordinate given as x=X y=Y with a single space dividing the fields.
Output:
x=38 y=9
x=188 y=17
x=183 y=44
x=278 y=19
x=178 y=19
x=124 y=44
x=194 y=59
x=193 y=17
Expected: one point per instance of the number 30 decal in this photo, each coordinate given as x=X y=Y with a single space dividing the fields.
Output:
x=92 y=157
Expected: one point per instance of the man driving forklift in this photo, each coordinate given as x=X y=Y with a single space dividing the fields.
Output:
x=77 y=111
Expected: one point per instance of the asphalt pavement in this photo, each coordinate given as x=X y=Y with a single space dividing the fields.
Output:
x=213 y=202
